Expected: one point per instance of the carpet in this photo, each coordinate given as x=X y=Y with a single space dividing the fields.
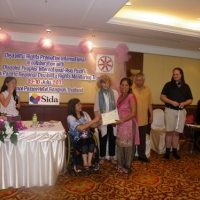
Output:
x=160 y=179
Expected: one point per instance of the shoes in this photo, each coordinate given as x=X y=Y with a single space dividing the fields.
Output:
x=144 y=159
x=122 y=170
x=167 y=153
x=166 y=156
x=85 y=168
x=175 y=154
x=113 y=161
x=92 y=167
x=102 y=160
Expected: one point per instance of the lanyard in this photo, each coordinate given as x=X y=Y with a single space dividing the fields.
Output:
x=179 y=111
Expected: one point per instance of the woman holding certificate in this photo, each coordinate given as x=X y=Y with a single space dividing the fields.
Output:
x=127 y=129
x=105 y=101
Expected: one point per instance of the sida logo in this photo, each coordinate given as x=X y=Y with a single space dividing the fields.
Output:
x=44 y=98
x=34 y=98
x=49 y=99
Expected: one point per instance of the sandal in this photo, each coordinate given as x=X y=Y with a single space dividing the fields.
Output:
x=85 y=168
x=119 y=169
x=125 y=171
x=113 y=161
x=91 y=167
x=102 y=161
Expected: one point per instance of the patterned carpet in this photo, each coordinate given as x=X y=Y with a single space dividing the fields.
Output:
x=160 y=179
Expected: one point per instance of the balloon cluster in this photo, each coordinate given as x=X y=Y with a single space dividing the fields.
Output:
x=85 y=46
x=4 y=39
x=122 y=53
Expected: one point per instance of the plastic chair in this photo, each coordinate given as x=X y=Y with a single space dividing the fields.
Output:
x=158 y=132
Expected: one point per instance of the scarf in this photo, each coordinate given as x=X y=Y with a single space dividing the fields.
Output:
x=102 y=102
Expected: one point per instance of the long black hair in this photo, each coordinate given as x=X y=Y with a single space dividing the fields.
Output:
x=72 y=107
x=129 y=81
x=173 y=82
x=4 y=87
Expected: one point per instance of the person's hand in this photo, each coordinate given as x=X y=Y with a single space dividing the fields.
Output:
x=150 y=119
x=11 y=89
x=100 y=122
x=97 y=118
x=175 y=104
x=119 y=122
x=181 y=105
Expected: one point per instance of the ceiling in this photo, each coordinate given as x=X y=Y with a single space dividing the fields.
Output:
x=108 y=20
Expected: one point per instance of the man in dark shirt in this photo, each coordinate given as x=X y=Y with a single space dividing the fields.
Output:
x=176 y=94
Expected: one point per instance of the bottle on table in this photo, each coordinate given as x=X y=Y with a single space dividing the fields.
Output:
x=34 y=121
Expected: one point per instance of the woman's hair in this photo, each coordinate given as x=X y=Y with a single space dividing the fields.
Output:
x=173 y=82
x=5 y=87
x=129 y=81
x=103 y=79
x=72 y=107
x=182 y=75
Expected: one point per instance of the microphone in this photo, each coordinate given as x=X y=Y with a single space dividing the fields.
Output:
x=16 y=100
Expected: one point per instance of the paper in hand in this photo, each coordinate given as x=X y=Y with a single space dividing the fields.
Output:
x=110 y=117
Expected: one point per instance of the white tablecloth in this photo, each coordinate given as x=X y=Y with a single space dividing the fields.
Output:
x=37 y=159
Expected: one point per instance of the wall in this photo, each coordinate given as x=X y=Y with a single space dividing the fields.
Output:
x=158 y=71
x=59 y=113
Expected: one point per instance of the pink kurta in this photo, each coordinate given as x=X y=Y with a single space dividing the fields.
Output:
x=126 y=131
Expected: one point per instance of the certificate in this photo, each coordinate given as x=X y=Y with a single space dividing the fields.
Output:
x=110 y=117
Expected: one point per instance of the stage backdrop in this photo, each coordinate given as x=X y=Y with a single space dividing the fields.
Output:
x=71 y=71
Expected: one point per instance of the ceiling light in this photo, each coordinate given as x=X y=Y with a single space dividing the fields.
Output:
x=48 y=30
x=46 y=44
x=128 y=4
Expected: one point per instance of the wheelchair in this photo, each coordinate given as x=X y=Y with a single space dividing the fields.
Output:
x=74 y=156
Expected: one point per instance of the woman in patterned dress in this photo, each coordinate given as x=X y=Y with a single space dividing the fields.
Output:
x=127 y=129
x=9 y=100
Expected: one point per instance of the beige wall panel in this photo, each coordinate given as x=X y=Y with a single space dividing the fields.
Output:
x=191 y=69
x=158 y=71
x=153 y=70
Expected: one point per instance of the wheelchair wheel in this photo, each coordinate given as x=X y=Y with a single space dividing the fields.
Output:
x=74 y=157
x=96 y=153
x=68 y=154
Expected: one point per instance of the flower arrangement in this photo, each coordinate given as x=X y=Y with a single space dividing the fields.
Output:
x=9 y=128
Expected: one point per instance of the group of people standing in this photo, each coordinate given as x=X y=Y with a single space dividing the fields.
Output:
x=135 y=109
x=134 y=105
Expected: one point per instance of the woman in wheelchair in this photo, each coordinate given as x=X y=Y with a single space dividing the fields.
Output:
x=79 y=123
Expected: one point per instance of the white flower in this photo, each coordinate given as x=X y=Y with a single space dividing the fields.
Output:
x=9 y=130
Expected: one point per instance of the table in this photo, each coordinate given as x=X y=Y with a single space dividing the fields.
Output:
x=37 y=159
x=193 y=128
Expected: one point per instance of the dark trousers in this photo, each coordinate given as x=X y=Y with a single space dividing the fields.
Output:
x=86 y=145
x=110 y=138
x=142 y=146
